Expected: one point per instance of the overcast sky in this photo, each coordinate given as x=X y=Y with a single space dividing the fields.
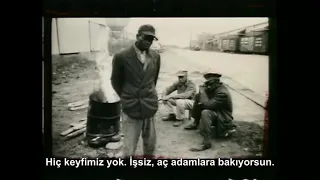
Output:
x=177 y=31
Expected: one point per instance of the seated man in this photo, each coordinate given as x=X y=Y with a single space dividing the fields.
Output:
x=212 y=107
x=186 y=90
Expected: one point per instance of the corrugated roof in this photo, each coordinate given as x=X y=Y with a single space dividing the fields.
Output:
x=237 y=32
x=234 y=35
x=255 y=33
x=212 y=40
x=262 y=27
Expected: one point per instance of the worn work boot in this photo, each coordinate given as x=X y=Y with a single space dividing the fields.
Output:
x=171 y=117
x=192 y=126
x=115 y=138
x=229 y=133
x=178 y=123
x=203 y=146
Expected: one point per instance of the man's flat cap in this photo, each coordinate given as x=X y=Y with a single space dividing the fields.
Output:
x=148 y=29
x=182 y=73
x=211 y=76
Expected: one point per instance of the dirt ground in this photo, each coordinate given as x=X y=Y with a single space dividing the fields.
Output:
x=74 y=79
x=247 y=69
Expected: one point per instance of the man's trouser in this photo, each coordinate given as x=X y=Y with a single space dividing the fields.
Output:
x=196 y=113
x=208 y=119
x=132 y=129
x=179 y=109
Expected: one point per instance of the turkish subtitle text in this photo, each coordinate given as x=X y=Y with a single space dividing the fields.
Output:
x=165 y=163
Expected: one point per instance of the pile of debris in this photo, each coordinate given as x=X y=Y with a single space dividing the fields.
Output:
x=75 y=130
x=78 y=128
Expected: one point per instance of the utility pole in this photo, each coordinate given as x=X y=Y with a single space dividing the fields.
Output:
x=190 y=39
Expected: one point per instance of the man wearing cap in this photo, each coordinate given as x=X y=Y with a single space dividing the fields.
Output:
x=186 y=90
x=212 y=107
x=134 y=77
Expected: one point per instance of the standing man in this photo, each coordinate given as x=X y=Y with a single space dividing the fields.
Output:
x=212 y=107
x=186 y=90
x=134 y=76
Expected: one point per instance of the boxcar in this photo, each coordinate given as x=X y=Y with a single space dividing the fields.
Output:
x=224 y=44
x=233 y=43
x=254 y=42
x=246 y=44
x=230 y=43
x=261 y=43
x=215 y=45
x=219 y=41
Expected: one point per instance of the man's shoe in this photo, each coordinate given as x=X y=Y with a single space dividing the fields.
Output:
x=171 y=117
x=191 y=127
x=229 y=133
x=115 y=138
x=201 y=147
x=178 y=123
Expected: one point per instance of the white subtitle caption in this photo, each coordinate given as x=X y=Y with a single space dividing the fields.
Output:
x=158 y=163
x=84 y=162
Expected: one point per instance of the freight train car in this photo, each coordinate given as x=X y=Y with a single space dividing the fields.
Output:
x=254 y=42
x=246 y=44
x=231 y=43
x=224 y=44
x=261 y=44
x=219 y=41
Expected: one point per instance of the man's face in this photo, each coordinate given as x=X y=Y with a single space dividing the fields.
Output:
x=144 y=41
x=211 y=85
x=182 y=79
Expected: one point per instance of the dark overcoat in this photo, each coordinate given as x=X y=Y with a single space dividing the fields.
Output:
x=135 y=83
x=219 y=101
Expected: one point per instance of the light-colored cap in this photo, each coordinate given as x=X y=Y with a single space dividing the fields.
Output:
x=182 y=73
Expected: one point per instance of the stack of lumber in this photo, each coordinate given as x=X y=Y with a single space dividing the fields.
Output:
x=78 y=105
x=75 y=130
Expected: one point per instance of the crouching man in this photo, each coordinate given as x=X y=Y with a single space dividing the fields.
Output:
x=212 y=107
x=186 y=90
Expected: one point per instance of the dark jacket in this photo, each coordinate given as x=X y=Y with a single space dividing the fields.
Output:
x=219 y=101
x=134 y=85
x=184 y=91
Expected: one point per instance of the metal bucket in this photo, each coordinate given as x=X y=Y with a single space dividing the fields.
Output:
x=103 y=122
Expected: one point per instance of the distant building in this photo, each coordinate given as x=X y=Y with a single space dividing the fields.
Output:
x=212 y=44
x=75 y=35
x=194 y=43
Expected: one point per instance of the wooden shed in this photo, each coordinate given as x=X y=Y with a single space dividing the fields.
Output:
x=75 y=35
